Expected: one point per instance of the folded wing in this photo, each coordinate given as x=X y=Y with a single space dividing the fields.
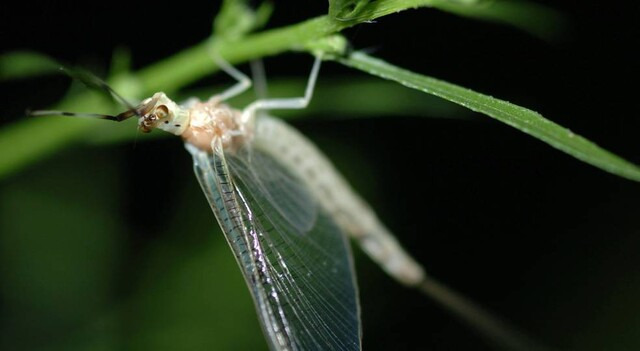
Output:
x=295 y=260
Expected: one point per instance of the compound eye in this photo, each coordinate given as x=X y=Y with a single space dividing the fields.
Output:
x=161 y=111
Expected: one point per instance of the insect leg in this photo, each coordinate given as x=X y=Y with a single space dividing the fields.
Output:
x=243 y=82
x=287 y=103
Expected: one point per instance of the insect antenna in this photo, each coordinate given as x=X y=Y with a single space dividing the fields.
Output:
x=118 y=118
x=91 y=81
x=94 y=82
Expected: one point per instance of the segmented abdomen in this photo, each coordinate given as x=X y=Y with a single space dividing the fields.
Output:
x=296 y=153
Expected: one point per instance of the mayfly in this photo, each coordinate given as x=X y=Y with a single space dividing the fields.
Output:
x=286 y=213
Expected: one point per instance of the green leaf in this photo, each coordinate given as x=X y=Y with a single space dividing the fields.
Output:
x=533 y=18
x=25 y=64
x=523 y=119
x=366 y=10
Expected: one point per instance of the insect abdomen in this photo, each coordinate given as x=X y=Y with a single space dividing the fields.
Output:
x=297 y=154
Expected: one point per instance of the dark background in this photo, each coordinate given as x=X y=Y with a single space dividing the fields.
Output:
x=545 y=241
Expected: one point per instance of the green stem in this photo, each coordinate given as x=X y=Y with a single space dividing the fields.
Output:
x=171 y=74
x=196 y=62
x=168 y=75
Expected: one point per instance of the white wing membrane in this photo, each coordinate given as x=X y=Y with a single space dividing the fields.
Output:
x=295 y=259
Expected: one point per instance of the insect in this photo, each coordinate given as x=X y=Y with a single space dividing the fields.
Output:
x=286 y=213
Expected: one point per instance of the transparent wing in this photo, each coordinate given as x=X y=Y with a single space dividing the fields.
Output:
x=295 y=259
x=287 y=195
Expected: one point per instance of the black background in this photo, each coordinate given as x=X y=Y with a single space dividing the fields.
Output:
x=547 y=242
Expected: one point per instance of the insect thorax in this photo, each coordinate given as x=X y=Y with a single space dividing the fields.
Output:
x=198 y=123
x=212 y=119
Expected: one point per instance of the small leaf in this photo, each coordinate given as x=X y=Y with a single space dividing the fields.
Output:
x=25 y=64
x=366 y=10
x=523 y=119
x=533 y=18
x=348 y=10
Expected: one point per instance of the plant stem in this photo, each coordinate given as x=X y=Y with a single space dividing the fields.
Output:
x=167 y=75
x=196 y=62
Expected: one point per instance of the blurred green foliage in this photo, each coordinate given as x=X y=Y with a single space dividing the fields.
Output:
x=69 y=282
